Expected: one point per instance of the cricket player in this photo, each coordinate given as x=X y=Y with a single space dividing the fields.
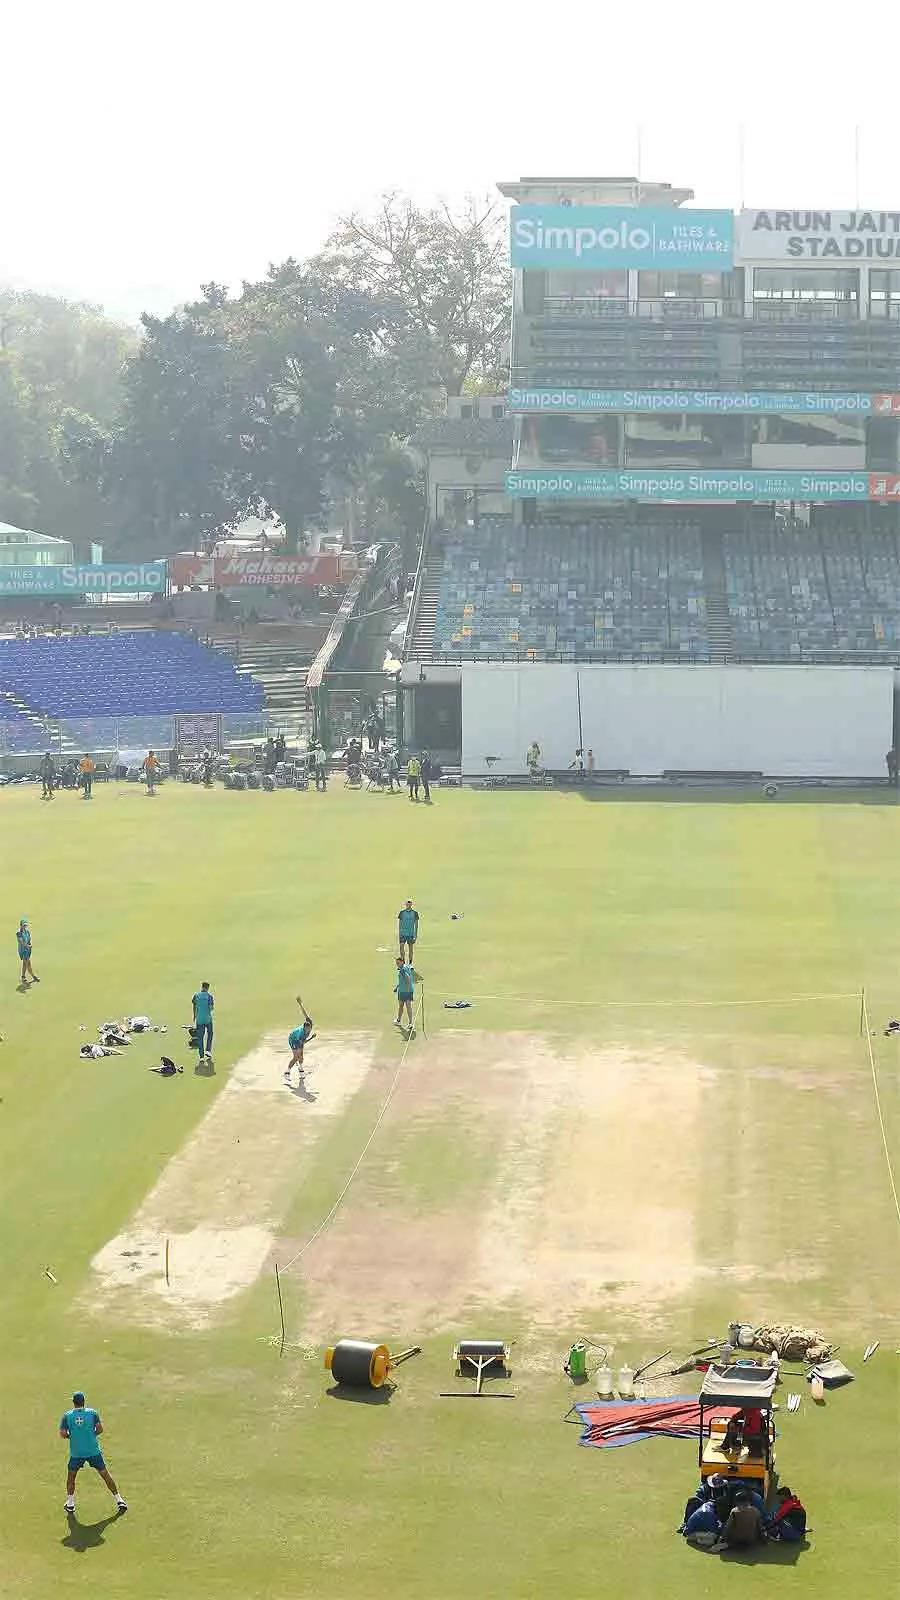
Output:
x=408 y=930
x=297 y=1038
x=82 y=1427
x=23 y=944
x=404 y=989
x=202 y=1006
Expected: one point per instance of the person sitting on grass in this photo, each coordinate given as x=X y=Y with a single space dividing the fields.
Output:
x=789 y=1518
x=744 y=1525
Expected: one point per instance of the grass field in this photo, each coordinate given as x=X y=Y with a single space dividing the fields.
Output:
x=600 y=1146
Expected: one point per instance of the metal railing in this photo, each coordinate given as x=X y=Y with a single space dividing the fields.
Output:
x=692 y=309
x=701 y=657
x=103 y=735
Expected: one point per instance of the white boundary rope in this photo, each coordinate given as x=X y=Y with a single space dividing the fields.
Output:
x=359 y=1161
x=646 y=1005
x=884 y=1140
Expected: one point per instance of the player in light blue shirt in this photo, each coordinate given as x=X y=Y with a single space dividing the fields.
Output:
x=407 y=929
x=23 y=945
x=202 y=1004
x=82 y=1427
x=297 y=1038
x=404 y=989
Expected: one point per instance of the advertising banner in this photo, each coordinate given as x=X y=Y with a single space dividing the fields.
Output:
x=835 y=237
x=200 y=731
x=676 y=483
x=621 y=236
x=115 y=578
x=259 y=570
x=524 y=402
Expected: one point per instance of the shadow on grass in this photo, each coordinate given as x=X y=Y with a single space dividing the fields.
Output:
x=363 y=1397
x=732 y=795
x=774 y=1552
x=86 y=1535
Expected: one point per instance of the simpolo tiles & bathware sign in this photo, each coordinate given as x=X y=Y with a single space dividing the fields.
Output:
x=621 y=236
x=147 y=577
x=736 y=402
x=665 y=483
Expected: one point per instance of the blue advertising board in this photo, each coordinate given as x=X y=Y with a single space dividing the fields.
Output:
x=148 y=577
x=740 y=402
x=675 y=483
x=621 y=236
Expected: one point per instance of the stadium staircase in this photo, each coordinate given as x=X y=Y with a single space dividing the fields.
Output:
x=718 y=619
x=429 y=594
x=281 y=669
x=15 y=704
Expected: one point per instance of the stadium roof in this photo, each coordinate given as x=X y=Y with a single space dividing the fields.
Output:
x=12 y=535
x=600 y=190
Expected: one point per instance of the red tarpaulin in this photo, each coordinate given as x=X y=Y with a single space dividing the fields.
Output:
x=615 y=1422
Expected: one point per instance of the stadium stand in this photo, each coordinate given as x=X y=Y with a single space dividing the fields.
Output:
x=649 y=581
x=609 y=585
x=122 y=674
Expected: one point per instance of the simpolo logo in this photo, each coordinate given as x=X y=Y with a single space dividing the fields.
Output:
x=530 y=234
x=108 y=578
x=543 y=399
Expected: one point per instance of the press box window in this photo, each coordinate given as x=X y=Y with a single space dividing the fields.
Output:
x=812 y=283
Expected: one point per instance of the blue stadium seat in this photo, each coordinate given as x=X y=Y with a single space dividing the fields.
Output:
x=124 y=674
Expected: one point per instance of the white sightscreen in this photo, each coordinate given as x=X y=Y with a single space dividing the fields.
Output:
x=793 y=721
x=505 y=707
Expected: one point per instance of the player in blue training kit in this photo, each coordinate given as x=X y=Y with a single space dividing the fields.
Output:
x=408 y=930
x=203 y=1005
x=23 y=945
x=404 y=989
x=82 y=1427
x=297 y=1038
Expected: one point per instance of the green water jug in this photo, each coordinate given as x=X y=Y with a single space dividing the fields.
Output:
x=576 y=1366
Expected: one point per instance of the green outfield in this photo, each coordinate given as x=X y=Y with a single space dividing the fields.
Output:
x=656 y=1116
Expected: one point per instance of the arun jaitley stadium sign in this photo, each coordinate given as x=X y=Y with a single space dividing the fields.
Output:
x=833 y=236
x=613 y=483
x=621 y=236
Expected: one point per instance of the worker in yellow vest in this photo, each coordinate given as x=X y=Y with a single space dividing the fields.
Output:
x=413 y=774
x=87 y=769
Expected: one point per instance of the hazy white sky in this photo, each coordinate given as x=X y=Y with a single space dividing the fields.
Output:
x=149 y=148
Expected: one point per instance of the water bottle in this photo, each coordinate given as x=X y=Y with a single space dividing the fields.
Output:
x=626 y=1381
x=604 y=1381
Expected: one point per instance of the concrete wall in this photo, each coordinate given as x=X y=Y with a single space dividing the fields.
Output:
x=788 y=721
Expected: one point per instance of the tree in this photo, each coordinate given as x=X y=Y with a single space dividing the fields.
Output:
x=273 y=401
x=55 y=358
x=442 y=279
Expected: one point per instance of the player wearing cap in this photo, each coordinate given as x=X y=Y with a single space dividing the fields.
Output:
x=82 y=1427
